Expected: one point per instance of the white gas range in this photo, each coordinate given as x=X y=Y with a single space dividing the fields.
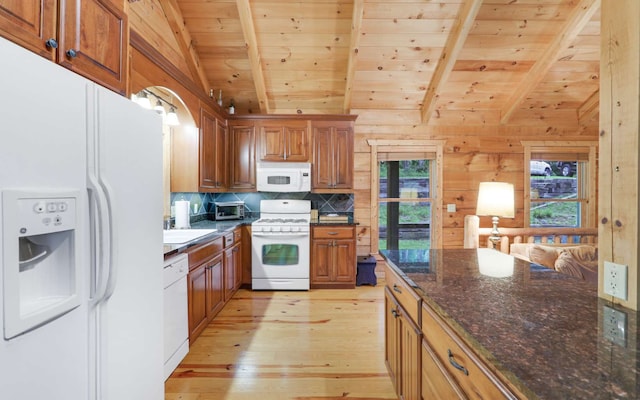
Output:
x=281 y=245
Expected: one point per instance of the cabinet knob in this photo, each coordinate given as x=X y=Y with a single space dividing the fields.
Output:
x=395 y=314
x=455 y=363
x=51 y=44
x=71 y=53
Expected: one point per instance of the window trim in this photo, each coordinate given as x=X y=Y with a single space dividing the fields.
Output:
x=590 y=148
x=407 y=146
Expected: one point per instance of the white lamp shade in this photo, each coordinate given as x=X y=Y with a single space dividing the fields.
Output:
x=172 y=118
x=143 y=100
x=496 y=199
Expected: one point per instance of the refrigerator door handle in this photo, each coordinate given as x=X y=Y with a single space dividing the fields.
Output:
x=103 y=241
x=112 y=267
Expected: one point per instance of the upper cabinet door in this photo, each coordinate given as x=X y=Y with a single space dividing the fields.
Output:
x=31 y=24
x=296 y=143
x=332 y=157
x=94 y=40
x=287 y=141
x=242 y=150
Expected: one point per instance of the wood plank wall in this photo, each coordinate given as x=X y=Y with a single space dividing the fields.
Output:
x=474 y=152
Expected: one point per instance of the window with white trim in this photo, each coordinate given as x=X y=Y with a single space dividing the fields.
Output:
x=560 y=184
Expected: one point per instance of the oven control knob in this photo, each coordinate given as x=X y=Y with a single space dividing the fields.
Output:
x=295 y=229
x=276 y=229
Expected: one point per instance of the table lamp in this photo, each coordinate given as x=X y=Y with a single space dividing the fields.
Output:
x=495 y=199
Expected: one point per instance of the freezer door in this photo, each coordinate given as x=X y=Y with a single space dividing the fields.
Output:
x=42 y=149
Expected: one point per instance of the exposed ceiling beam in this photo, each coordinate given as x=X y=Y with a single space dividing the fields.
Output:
x=356 y=24
x=590 y=108
x=255 y=60
x=183 y=37
x=459 y=31
x=576 y=22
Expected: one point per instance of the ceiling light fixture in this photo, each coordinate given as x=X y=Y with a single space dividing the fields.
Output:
x=170 y=118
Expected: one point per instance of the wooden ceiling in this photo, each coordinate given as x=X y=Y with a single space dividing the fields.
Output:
x=502 y=57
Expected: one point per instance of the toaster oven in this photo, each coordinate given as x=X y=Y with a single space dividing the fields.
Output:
x=229 y=210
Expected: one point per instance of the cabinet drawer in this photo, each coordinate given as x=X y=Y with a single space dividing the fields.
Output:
x=406 y=296
x=204 y=251
x=228 y=239
x=333 y=232
x=474 y=378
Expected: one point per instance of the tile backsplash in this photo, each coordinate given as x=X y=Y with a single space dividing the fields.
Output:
x=203 y=203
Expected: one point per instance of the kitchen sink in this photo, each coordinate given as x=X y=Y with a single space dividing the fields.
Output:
x=177 y=236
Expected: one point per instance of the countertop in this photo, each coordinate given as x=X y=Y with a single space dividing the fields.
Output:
x=548 y=333
x=221 y=226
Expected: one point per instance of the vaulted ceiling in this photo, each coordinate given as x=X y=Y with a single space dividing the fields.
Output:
x=432 y=56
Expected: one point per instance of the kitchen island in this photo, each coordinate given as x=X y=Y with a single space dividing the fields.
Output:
x=546 y=334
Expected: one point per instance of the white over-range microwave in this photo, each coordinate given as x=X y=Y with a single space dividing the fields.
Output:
x=283 y=177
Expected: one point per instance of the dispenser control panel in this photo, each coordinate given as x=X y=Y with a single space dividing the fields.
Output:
x=45 y=215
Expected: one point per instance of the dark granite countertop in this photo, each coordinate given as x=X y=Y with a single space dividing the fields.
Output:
x=221 y=226
x=548 y=333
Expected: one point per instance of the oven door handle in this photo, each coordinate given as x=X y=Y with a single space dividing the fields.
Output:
x=280 y=236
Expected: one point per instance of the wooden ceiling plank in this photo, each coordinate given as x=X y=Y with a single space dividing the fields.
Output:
x=183 y=37
x=590 y=108
x=577 y=20
x=461 y=27
x=249 y=30
x=356 y=25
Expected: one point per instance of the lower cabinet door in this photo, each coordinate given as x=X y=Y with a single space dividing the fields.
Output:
x=197 y=287
x=391 y=343
x=215 y=287
x=410 y=361
x=436 y=382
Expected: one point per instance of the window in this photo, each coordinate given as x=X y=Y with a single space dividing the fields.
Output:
x=404 y=205
x=405 y=194
x=560 y=184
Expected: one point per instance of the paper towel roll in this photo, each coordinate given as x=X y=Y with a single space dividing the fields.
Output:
x=182 y=214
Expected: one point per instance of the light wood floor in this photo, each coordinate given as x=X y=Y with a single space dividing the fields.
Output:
x=321 y=344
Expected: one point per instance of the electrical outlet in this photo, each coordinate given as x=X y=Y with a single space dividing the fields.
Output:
x=451 y=208
x=615 y=280
x=614 y=326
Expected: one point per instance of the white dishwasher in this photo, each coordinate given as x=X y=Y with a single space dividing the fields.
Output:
x=176 y=321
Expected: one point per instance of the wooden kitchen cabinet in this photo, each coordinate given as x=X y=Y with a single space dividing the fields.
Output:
x=232 y=263
x=242 y=153
x=213 y=153
x=205 y=290
x=90 y=37
x=333 y=257
x=332 y=156
x=284 y=141
x=403 y=338
x=465 y=372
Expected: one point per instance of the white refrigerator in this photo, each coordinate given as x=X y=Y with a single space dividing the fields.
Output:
x=80 y=237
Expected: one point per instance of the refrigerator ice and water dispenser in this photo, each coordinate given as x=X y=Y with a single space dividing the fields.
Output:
x=40 y=258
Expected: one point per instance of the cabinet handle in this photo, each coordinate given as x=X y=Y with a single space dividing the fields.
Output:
x=455 y=364
x=395 y=313
x=71 y=53
x=332 y=233
x=396 y=288
x=51 y=44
